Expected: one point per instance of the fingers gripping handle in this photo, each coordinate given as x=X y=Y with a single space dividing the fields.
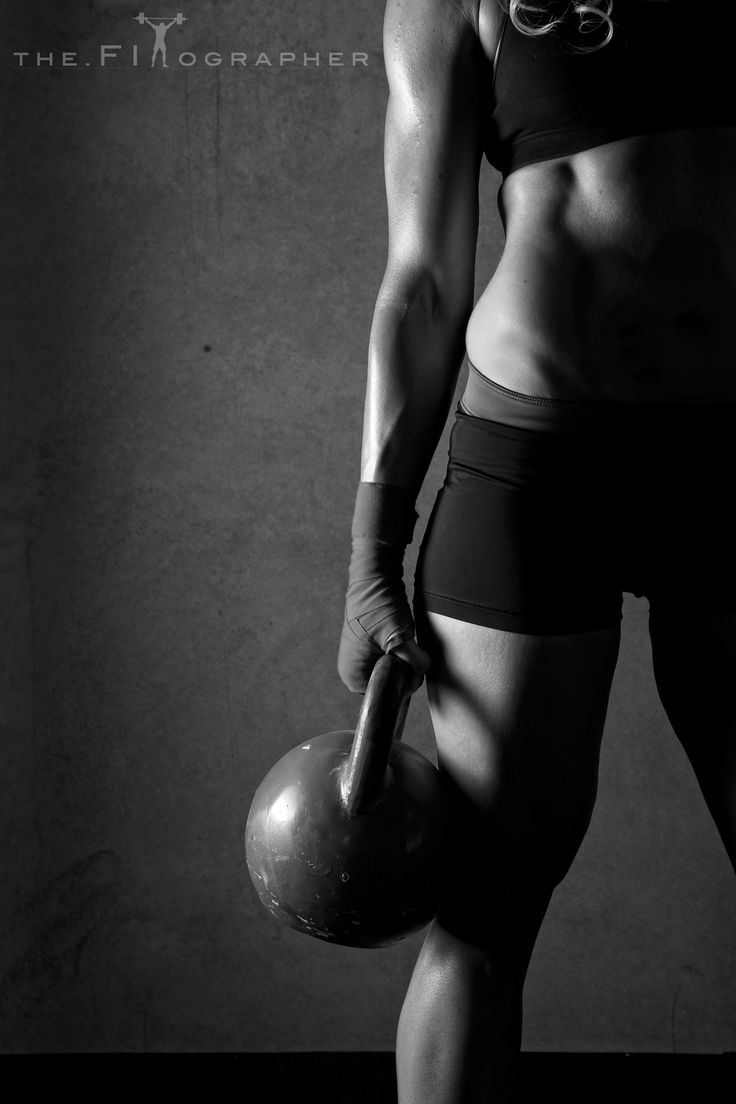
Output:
x=381 y=721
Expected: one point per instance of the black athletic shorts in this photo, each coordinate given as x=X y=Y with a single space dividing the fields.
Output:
x=549 y=513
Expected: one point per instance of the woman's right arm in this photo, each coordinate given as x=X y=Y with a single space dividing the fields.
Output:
x=433 y=149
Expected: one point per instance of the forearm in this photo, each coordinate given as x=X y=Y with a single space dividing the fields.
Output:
x=416 y=349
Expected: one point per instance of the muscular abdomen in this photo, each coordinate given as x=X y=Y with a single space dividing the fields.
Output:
x=618 y=277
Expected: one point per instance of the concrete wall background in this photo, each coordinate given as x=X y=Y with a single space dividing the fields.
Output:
x=190 y=262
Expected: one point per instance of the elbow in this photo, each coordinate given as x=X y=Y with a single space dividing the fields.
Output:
x=435 y=296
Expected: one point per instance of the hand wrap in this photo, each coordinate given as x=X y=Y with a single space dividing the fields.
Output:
x=377 y=613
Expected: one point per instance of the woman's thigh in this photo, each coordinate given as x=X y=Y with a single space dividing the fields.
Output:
x=518 y=721
x=694 y=653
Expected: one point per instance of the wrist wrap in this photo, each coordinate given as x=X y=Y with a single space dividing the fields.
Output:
x=377 y=612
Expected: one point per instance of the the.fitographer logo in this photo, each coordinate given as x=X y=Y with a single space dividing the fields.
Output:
x=163 y=55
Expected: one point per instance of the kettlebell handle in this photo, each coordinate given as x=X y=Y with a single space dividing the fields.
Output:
x=381 y=721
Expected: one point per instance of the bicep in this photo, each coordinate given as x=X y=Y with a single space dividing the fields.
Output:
x=433 y=146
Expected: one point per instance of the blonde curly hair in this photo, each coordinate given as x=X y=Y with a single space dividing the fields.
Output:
x=539 y=17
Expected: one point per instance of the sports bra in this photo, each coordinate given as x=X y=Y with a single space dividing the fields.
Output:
x=668 y=66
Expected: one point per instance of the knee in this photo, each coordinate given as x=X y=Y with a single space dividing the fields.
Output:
x=461 y=953
x=499 y=883
x=564 y=819
x=527 y=834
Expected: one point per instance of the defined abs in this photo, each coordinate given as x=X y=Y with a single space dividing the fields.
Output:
x=617 y=281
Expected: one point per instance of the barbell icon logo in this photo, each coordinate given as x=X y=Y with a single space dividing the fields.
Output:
x=178 y=18
x=160 y=25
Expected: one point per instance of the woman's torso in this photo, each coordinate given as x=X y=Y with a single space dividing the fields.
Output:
x=618 y=276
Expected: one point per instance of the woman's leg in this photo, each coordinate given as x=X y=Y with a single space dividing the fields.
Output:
x=518 y=721
x=694 y=654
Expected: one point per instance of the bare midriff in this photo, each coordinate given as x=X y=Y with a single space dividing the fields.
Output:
x=617 y=280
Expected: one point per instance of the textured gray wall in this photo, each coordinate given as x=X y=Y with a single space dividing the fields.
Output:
x=190 y=259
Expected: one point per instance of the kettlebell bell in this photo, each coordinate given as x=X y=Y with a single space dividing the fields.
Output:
x=346 y=835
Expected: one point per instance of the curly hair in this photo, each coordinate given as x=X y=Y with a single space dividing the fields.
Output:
x=542 y=16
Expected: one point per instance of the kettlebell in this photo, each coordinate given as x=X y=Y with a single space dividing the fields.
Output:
x=346 y=835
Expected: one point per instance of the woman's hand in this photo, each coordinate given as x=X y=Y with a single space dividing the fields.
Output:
x=416 y=657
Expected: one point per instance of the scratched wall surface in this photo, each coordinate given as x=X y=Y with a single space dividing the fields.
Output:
x=190 y=260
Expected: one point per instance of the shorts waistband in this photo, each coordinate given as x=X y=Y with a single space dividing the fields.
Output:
x=686 y=422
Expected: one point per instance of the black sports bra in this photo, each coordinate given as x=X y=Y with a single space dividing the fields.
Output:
x=668 y=66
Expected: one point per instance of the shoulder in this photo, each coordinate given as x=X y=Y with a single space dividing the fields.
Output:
x=449 y=25
x=409 y=23
x=405 y=16
x=491 y=17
